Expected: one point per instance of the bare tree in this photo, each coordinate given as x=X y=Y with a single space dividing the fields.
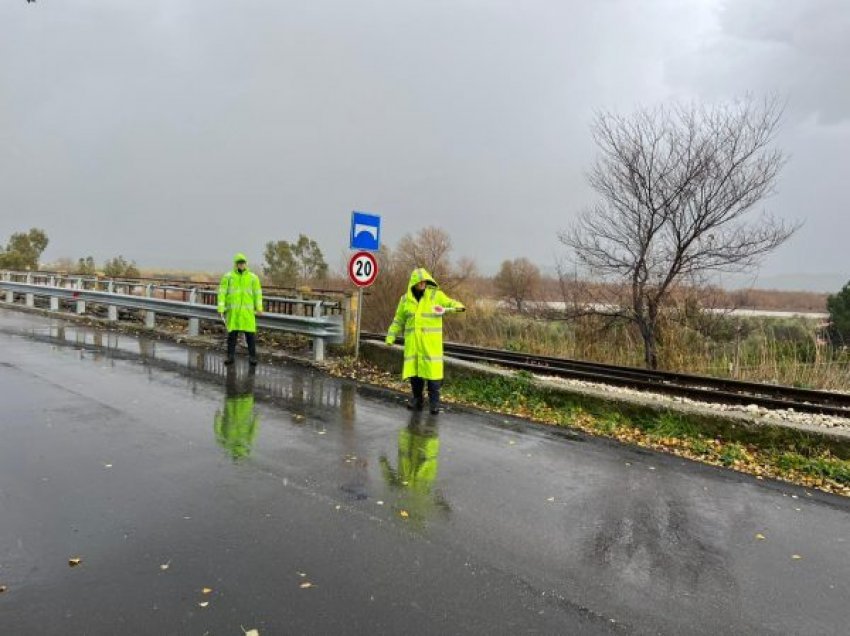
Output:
x=431 y=248
x=677 y=185
x=518 y=281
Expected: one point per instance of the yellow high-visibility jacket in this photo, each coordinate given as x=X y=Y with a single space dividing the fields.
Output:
x=239 y=296
x=421 y=324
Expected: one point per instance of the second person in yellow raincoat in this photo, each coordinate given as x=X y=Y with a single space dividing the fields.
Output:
x=240 y=300
x=419 y=318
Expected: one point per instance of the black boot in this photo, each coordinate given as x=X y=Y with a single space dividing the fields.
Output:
x=228 y=361
x=415 y=404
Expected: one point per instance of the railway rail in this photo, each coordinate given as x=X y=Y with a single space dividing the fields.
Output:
x=694 y=387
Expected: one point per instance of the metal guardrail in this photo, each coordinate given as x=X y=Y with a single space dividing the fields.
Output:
x=317 y=304
x=183 y=281
x=322 y=329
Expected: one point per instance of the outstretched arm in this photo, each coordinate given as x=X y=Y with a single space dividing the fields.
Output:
x=449 y=304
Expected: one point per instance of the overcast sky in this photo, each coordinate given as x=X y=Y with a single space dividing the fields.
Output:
x=176 y=132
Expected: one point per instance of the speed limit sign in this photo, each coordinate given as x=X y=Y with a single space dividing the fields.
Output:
x=363 y=269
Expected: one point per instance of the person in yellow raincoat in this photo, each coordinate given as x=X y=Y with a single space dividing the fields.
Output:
x=419 y=318
x=240 y=300
x=236 y=425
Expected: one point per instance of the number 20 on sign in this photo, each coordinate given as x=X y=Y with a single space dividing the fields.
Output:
x=363 y=269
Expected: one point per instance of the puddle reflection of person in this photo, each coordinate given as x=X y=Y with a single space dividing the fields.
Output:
x=418 y=461
x=236 y=425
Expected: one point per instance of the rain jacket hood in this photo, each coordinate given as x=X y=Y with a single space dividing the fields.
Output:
x=419 y=274
x=239 y=257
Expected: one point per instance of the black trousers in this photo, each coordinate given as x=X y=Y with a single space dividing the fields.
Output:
x=418 y=386
x=250 y=338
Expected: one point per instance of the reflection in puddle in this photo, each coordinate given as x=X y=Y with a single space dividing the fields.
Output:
x=416 y=471
x=236 y=425
x=301 y=390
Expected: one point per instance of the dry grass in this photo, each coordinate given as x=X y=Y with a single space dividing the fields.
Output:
x=768 y=350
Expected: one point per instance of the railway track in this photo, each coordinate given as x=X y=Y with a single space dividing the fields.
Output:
x=695 y=387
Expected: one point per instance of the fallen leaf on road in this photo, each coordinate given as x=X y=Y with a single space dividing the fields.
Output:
x=380 y=503
x=203 y=603
x=301 y=574
x=165 y=566
x=760 y=536
x=512 y=442
x=796 y=557
x=306 y=585
x=74 y=561
x=206 y=590
x=551 y=499
x=322 y=432
x=251 y=632
x=404 y=514
x=107 y=465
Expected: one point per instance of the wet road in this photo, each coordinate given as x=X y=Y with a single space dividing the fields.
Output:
x=166 y=476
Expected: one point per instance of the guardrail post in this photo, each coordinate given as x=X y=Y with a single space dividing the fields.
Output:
x=194 y=323
x=150 y=316
x=30 y=298
x=111 y=310
x=318 y=349
x=351 y=311
x=81 y=304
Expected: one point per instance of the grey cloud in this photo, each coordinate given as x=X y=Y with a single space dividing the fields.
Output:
x=176 y=132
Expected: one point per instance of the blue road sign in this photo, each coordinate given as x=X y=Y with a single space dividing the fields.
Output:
x=365 y=231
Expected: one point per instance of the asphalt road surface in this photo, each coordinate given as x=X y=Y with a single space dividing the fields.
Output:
x=309 y=505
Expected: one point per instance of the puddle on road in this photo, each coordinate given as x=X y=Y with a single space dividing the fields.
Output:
x=405 y=470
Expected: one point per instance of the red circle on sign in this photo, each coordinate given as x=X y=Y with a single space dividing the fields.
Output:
x=363 y=269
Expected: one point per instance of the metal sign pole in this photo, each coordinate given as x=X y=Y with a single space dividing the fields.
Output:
x=359 y=318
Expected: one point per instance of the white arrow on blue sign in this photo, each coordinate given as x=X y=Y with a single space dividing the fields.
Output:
x=365 y=231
